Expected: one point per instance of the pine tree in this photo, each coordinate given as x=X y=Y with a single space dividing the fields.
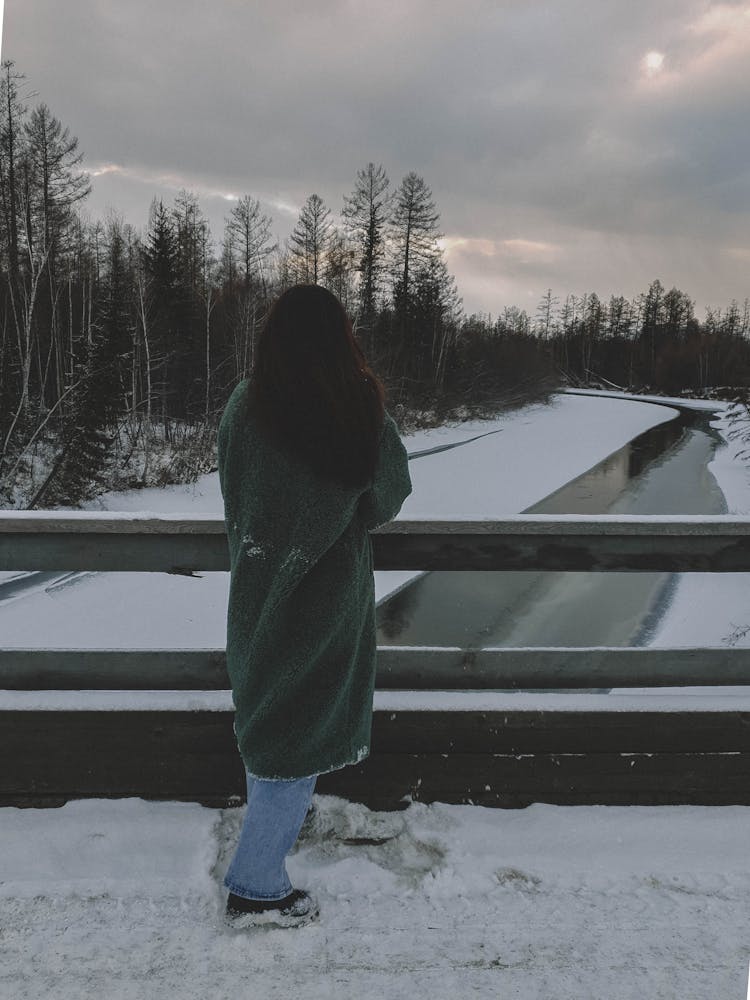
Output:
x=366 y=214
x=309 y=241
x=88 y=431
x=158 y=295
x=187 y=345
x=414 y=234
x=160 y=251
x=414 y=228
x=437 y=315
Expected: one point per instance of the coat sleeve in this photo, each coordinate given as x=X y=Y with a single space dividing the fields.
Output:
x=391 y=484
x=228 y=419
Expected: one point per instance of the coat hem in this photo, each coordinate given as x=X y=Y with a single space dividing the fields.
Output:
x=361 y=754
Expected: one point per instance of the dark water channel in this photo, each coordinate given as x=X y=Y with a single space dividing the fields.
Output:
x=663 y=471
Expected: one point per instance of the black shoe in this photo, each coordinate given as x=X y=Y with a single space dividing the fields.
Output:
x=294 y=910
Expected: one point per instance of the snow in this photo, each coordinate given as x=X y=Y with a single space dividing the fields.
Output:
x=123 y=899
x=167 y=518
x=733 y=476
x=736 y=699
x=538 y=449
x=125 y=610
x=679 y=401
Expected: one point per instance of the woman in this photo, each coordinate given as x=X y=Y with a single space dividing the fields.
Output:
x=309 y=461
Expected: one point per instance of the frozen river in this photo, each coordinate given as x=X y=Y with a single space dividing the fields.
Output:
x=662 y=471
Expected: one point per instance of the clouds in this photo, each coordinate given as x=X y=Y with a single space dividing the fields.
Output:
x=535 y=123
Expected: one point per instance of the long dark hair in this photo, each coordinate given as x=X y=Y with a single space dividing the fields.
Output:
x=312 y=388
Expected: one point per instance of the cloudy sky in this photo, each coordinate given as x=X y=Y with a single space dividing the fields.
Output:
x=574 y=144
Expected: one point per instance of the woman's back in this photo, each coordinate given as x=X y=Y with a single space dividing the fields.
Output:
x=301 y=616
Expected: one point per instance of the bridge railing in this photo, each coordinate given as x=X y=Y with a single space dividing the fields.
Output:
x=447 y=725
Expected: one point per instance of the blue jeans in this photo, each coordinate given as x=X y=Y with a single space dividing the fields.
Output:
x=275 y=812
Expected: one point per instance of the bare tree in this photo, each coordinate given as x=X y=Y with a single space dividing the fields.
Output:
x=545 y=314
x=248 y=232
x=248 y=248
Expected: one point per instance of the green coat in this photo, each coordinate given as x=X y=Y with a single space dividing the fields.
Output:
x=301 y=615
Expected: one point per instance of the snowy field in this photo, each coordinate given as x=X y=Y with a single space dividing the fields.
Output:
x=123 y=899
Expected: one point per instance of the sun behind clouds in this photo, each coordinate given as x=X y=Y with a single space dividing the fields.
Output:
x=653 y=62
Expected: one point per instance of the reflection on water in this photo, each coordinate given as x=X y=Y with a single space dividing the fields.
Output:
x=595 y=491
x=663 y=471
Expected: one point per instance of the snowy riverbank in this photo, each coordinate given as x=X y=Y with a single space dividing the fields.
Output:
x=712 y=609
x=521 y=458
x=517 y=460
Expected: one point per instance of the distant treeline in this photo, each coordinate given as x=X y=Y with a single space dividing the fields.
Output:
x=653 y=341
x=119 y=348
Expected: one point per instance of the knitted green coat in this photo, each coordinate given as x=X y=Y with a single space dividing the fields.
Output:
x=301 y=615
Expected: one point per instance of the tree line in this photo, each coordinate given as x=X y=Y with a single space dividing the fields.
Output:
x=119 y=347
x=650 y=343
x=653 y=341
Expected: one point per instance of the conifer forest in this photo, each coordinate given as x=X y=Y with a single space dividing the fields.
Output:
x=120 y=345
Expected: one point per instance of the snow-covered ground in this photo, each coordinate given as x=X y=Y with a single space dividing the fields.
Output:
x=123 y=899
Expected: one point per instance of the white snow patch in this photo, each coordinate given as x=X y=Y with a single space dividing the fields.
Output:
x=680 y=401
x=538 y=450
x=697 y=699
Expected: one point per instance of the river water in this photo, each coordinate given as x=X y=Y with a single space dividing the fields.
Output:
x=663 y=471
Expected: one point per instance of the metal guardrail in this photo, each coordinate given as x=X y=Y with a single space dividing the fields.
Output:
x=491 y=755
x=175 y=544
x=398 y=668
